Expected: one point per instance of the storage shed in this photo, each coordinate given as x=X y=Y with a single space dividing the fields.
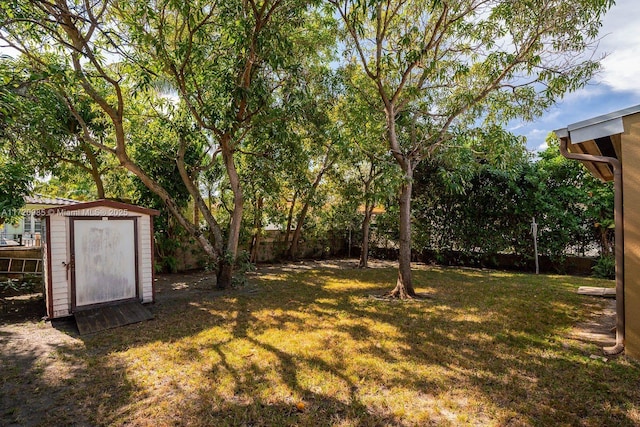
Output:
x=609 y=146
x=97 y=253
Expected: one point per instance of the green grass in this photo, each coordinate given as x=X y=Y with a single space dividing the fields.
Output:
x=490 y=348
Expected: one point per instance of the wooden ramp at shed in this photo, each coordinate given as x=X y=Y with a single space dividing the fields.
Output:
x=97 y=319
x=597 y=292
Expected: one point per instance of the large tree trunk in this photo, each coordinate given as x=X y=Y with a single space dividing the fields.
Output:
x=366 y=226
x=404 y=286
x=228 y=261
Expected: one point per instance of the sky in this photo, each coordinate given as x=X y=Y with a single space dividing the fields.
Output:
x=617 y=85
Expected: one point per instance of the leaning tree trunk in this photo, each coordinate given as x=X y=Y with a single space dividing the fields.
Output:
x=94 y=170
x=293 y=248
x=215 y=232
x=290 y=219
x=366 y=226
x=326 y=164
x=171 y=205
x=257 y=226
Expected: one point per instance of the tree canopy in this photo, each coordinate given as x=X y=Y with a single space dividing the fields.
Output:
x=436 y=67
x=289 y=112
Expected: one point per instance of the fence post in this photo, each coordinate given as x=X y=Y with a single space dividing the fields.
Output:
x=534 y=231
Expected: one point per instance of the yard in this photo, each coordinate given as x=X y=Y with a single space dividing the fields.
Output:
x=307 y=344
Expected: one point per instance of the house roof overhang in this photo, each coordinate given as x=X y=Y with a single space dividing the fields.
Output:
x=598 y=136
x=35 y=201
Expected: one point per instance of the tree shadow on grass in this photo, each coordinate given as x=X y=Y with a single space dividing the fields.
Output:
x=44 y=383
x=503 y=346
x=249 y=406
x=515 y=356
x=220 y=358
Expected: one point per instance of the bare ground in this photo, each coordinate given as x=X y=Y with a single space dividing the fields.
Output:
x=34 y=371
x=600 y=328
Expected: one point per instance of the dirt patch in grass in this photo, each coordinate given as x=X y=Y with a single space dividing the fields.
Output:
x=599 y=329
x=303 y=344
x=33 y=371
x=18 y=308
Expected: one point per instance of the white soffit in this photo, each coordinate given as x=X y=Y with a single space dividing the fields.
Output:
x=598 y=127
x=599 y=130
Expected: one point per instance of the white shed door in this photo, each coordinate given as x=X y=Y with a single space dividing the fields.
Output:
x=104 y=258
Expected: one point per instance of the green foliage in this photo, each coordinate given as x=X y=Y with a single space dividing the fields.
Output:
x=490 y=216
x=47 y=137
x=489 y=208
x=248 y=106
x=26 y=285
x=168 y=238
x=15 y=183
x=605 y=267
x=243 y=265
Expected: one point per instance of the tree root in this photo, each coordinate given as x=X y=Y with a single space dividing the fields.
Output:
x=395 y=296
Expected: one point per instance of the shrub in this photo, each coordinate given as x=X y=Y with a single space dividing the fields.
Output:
x=605 y=267
x=26 y=285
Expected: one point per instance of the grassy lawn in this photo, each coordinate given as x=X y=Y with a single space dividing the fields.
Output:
x=308 y=346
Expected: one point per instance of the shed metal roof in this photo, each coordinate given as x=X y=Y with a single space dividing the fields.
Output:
x=118 y=208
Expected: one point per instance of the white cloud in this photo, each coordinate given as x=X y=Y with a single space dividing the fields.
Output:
x=621 y=43
x=516 y=126
x=589 y=92
x=537 y=132
x=536 y=138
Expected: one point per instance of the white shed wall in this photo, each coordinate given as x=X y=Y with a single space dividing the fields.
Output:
x=61 y=288
x=59 y=240
x=145 y=258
